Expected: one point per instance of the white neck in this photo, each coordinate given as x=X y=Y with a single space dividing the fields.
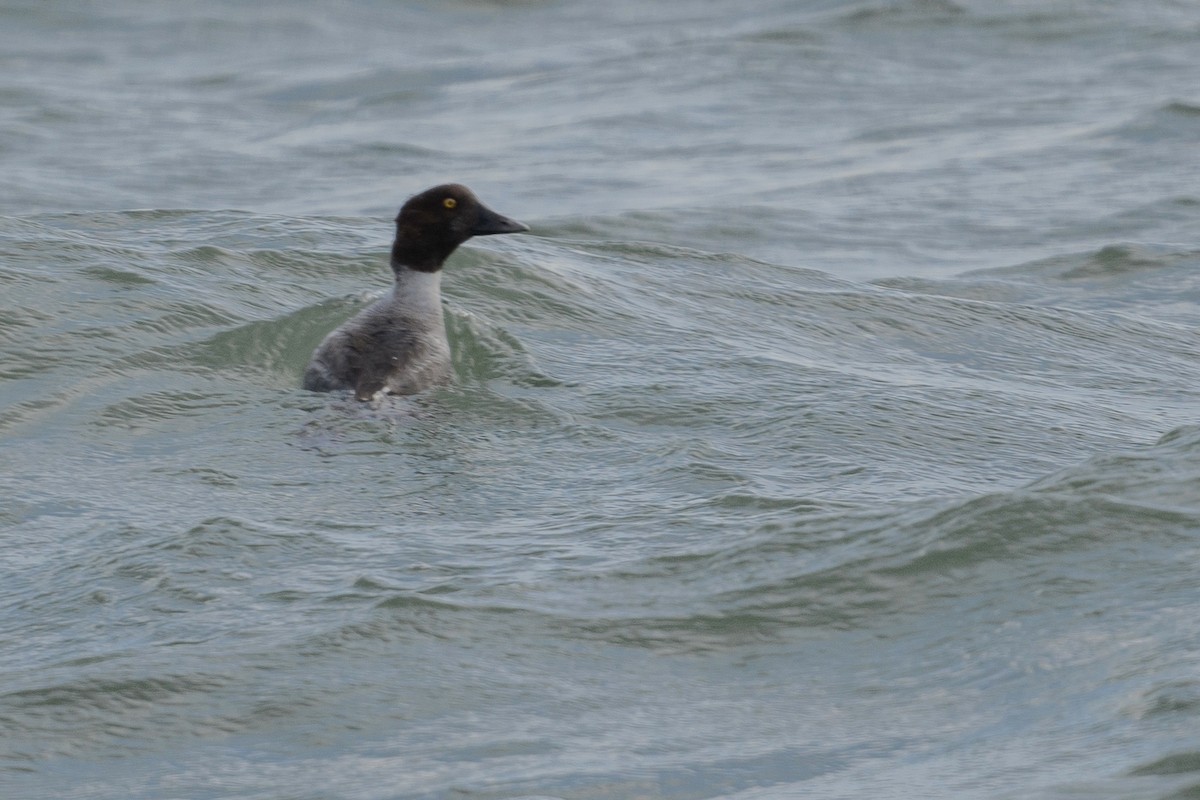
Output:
x=419 y=292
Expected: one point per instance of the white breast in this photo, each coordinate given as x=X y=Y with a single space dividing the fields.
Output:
x=419 y=293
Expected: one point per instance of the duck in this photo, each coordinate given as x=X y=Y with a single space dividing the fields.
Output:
x=397 y=345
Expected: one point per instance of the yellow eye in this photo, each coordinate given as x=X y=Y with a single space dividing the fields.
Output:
x=449 y=202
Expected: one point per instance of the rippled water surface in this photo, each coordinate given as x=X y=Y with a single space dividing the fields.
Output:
x=833 y=434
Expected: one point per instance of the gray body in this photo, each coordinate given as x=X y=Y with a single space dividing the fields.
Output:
x=397 y=344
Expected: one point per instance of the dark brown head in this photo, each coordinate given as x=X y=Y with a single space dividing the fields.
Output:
x=436 y=221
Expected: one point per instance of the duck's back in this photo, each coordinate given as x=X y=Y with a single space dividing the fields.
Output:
x=385 y=347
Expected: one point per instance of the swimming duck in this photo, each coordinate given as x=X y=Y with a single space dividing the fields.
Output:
x=398 y=344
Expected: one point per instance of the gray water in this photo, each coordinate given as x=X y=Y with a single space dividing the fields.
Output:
x=834 y=433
